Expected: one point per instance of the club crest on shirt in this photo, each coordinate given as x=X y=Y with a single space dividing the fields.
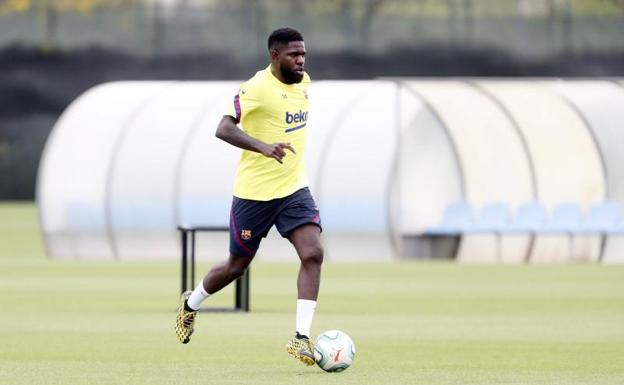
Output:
x=246 y=235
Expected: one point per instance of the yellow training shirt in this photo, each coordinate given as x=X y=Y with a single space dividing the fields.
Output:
x=272 y=112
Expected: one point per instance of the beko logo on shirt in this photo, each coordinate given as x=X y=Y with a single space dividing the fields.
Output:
x=299 y=117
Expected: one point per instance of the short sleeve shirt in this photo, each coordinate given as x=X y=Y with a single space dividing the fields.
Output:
x=271 y=111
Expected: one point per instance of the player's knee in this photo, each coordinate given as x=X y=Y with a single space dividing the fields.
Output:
x=236 y=268
x=313 y=254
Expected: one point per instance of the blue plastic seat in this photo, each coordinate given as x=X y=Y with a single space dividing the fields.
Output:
x=566 y=218
x=494 y=217
x=456 y=218
x=618 y=228
x=602 y=218
x=530 y=218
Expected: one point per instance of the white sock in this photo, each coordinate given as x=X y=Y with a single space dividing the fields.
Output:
x=197 y=296
x=305 y=313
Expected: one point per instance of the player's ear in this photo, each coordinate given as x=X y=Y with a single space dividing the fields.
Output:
x=274 y=53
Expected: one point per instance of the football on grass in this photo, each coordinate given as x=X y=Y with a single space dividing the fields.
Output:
x=334 y=351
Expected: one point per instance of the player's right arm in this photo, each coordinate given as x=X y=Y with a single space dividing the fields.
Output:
x=228 y=131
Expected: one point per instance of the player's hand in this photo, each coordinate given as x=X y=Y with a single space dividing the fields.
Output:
x=277 y=151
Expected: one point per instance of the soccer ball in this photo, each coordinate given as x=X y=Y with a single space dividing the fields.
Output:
x=334 y=351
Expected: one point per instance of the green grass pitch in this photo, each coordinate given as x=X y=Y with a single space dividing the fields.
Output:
x=412 y=323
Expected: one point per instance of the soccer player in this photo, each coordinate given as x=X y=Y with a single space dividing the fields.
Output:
x=271 y=186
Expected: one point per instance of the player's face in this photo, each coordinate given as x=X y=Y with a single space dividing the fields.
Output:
x=291 y=58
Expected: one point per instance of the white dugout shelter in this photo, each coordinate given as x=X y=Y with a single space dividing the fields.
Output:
x=128 y=162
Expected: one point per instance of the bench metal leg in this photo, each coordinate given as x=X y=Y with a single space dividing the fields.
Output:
x=192 y=260
x=187 y=238
x=184 y=257
x=242 y=292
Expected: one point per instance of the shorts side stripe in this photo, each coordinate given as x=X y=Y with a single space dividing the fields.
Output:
x=237 y=108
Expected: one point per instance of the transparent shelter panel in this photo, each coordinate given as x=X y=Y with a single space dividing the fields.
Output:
x=76 y=165
x=601 y=104
x=565 y=158
x=493 y=161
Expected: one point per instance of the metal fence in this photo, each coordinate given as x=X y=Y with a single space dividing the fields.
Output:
x=533 y=28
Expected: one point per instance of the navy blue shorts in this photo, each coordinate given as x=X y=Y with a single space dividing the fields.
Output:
x=251 y=220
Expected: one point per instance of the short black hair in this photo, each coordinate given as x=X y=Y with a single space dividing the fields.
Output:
x=284 y=36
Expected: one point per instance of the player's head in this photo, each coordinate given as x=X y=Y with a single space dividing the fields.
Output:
x=287 y=51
